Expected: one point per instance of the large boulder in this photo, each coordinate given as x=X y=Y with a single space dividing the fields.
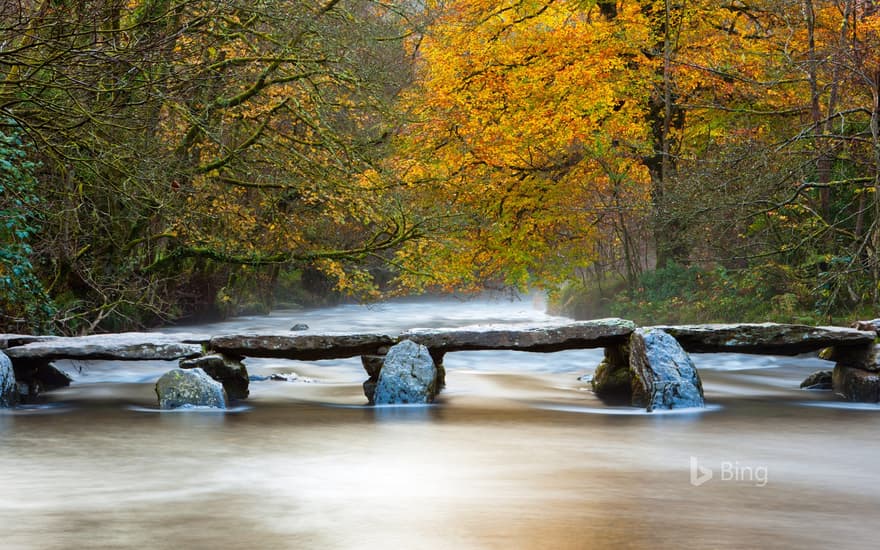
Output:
x=663 y=374
x=408 y=375
x=189 y=387
x=8 y=386
x=856 y=384
x=228 y=371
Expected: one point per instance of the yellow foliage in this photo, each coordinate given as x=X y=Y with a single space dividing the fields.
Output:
x=527 y=118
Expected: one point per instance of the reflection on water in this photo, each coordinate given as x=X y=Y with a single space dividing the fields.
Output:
x=194 y=410
x=629 y=411
x=505 y=458
x=843 y=406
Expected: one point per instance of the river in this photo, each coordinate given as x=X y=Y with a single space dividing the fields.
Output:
x=516 y=453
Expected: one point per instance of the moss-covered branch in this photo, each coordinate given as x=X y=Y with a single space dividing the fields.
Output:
x=380 y=241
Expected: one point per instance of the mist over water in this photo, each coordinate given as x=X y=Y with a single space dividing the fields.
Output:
x=516 y=453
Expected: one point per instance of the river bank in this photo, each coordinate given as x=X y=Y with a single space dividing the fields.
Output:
x=690 y=295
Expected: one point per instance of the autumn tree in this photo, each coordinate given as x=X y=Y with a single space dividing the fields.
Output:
x=548 y=132
x=778 y=148
x=526 y=133
x=190 y=148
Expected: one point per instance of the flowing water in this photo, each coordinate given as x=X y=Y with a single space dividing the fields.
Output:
x=516 y=453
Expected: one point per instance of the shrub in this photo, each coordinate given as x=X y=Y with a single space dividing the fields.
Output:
x=24 y=304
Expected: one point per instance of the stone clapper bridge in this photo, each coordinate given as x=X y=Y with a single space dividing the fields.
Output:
x=646 y=367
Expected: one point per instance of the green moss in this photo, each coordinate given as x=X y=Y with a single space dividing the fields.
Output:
x=612 y=379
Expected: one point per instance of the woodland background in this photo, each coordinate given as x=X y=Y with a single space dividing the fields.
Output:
x=694 y=160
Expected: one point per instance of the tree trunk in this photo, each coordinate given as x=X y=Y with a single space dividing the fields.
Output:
x=875 y=138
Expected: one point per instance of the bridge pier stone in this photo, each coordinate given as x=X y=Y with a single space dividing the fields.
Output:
x=612 y=380
x=856 y=375
x=859 y=357
x=373 y=365
x=855 y=384
x=229 y=371
x=651 y=370
x=437 y=355
x=416 y=376
x=38 y=376
x=8 y=386
x=664 y=376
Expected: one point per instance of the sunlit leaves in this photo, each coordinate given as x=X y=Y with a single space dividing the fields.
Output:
x=526 y=120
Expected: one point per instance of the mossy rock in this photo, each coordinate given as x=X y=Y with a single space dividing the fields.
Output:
x=189 y=387
x=612 y=379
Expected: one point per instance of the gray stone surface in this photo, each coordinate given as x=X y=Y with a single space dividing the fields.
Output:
x=541 y=338
x=12 y=340
x=305 y=347
x=125 y=346
x=856 y=384
x=664 y=376
x=228 y=371
x=8 y=385
x=764 y=338
x=408 y=376
x=189 y=387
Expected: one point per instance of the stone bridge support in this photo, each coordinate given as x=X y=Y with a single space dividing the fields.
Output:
x=856 y=375
x=373 y=365
x=651 y=370
x=646 y=366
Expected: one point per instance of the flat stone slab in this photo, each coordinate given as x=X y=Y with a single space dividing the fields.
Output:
x=538 y=338
x=12 y=340
x=125 y=346
x=765 y=338
x=303 y=347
